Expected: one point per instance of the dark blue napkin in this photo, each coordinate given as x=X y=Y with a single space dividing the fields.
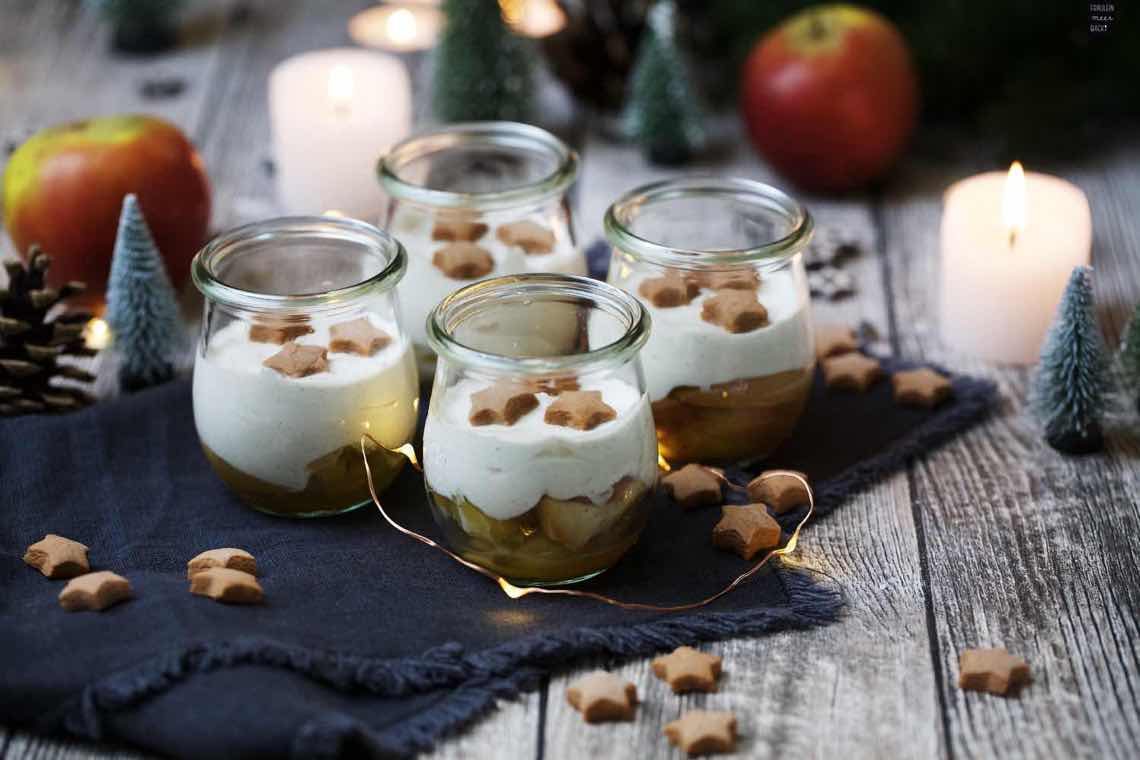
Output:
x=367 y=641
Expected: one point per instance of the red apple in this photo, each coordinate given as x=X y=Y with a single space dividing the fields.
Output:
x=830 y=97
x=64 y=188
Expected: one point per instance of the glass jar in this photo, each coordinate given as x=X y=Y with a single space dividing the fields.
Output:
x=301 y=353
x=478 y=200
x=539 y=452
x=718 y=264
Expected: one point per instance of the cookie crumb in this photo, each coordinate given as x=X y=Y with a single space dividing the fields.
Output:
x=530 y=236
x=503 y=403
x=357 y=336
x=668 y=291
x=297 y=360
x=279 y=332
x=457 y=230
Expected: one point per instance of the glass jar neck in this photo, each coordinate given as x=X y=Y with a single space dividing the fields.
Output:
x=631 y=322
x=295 y=264
x=480 y=166
x=790 y=224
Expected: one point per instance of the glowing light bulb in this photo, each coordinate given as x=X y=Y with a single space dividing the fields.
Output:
x=96 y=335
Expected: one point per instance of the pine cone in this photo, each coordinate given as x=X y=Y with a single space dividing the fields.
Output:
x=31 y=344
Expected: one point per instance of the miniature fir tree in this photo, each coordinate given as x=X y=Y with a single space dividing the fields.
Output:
x=1069 y=389
x=482 y=70
x=142 y=310
x=1130 y=356
x=662 y=113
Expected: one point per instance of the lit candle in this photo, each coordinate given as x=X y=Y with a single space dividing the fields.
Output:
x=400 y=27
x=533 y=18
x=333 y=114
x=1009 y=242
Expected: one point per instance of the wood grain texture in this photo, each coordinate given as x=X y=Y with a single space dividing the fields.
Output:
x=786 y=688
x=1026 y=548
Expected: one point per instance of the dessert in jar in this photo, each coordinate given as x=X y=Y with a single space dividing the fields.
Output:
x=539 y=451
x=479 y=200
x=718 y=264
x=301 y=354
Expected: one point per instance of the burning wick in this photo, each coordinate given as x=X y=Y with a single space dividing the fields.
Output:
x=1013 y=202
x=96 y=335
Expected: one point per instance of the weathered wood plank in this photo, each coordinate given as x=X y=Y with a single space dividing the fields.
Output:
x=1024 y=547
x=849 y=689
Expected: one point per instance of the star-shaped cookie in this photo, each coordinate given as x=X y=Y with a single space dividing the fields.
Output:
x=668 y=290
x=746 y=530
x=297 y=360
x=781 y=490
x=921 y=387
x=729 y=279
x=94 y=591
x=225 y=585
x=687 y=669
x=357 y=336
x=463 y=261
x=993 y=670
x=58 y=557
x=234 y=559
x=703 y=732
x=503 y=403
x=833 y=340
x=457 y=230
x=694 y=485
x=602 y=696
x=279 y=332
x=852 y=371
x=737 y=311
x=581 y=410
x=532 y=237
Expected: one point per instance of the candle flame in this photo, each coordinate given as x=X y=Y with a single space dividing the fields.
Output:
x=341 y=87
x=401 y=26
x=1013 y=202
x=96 y=334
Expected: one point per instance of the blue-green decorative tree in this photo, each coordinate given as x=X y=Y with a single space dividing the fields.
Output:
x=1068 y=391
x=663 y=114
x=1130 y=356
x=142 y=310
x=482 y=70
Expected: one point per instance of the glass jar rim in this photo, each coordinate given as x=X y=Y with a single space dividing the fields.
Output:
x=204 y=266
x=530 y=287
x=493 y=133
x=619 y=214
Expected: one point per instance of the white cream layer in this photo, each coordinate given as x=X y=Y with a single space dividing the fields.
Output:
x=271 y=426
x=424 y=285
x=505 y=470
x=684 y=349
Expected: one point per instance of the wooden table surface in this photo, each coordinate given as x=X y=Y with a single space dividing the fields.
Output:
x=993 y=539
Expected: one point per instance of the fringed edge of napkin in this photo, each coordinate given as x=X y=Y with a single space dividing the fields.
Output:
x=476 y=680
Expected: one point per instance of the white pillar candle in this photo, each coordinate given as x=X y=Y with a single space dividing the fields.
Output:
x=333 y=114
x=1009 y=244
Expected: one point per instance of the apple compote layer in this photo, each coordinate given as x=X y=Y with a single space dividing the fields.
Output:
x=557 y=541
x=336 y=482
x=722 y=391
x=730 y=422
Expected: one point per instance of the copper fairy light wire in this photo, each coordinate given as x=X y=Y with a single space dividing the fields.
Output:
x=516 y=592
